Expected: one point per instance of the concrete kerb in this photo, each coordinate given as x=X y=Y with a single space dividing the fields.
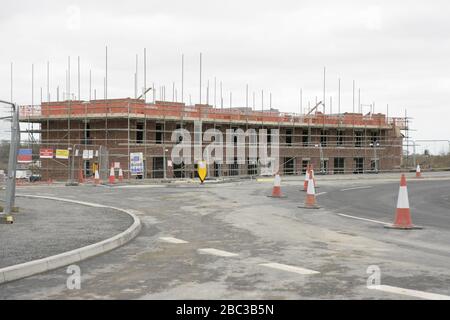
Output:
x=30 y=268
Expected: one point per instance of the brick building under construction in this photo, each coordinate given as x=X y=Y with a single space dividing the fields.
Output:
x=112 y=129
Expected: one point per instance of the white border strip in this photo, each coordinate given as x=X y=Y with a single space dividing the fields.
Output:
x=409 y=292
x=364 y=219
x=30 y=268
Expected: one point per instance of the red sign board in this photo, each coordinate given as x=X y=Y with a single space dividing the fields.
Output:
x=46 y=153
x=24 y=156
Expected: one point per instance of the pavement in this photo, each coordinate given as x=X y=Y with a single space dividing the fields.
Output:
x=44 y=228
x=231 y=241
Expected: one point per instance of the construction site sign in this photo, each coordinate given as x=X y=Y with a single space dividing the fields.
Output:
x=24 y=156
x=88 y=154
x=46 y=153
x=136 y=163
x=62 y=154
x=201 y=169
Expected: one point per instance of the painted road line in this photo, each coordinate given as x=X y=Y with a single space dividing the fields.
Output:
x=357 y=188
x=288 y=268
x=140 y=186
x=320 y=193
x=217 y=252
x=409 y=292
x=172 y=240
x=264 y=180
x=364 y=219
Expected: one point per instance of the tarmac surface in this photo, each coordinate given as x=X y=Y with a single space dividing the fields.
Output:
x=44 y=228
x=231 y=241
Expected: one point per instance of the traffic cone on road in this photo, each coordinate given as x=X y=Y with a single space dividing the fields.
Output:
x=418 y=172
x=120 y=175
x=305 y=182
x=403 y=214
x=276 y=191
x=112 y=177
x=310 y=200
x=96 y=177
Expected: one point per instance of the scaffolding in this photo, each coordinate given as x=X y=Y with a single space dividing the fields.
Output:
x=333 y=143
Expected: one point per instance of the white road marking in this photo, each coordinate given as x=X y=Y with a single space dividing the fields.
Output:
x=364 y=219
x=320 y=193
x=356 y=188
x=140 y=186
x=172 y=240
x=217 y=252
x=288 y=268
x=409 y=292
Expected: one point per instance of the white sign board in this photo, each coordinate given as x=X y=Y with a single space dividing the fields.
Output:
x=136 y=163
x=88 y=154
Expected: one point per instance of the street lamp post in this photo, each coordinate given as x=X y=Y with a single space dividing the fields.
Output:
x=12 y=164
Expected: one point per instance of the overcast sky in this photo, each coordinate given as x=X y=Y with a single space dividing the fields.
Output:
x=396 y=51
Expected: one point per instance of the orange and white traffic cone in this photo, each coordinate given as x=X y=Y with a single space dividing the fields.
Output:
x=305 y=182
x=276 y=191
x=310 y=200
x=120 y=175
x=112 y=176
x=402 y=214
x=96 y=177
x=418 y=172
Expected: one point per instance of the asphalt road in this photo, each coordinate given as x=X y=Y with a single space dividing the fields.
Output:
x=429 y=201
x=234 y=242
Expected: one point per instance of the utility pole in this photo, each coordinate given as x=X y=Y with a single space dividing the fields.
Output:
x=6 y=217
